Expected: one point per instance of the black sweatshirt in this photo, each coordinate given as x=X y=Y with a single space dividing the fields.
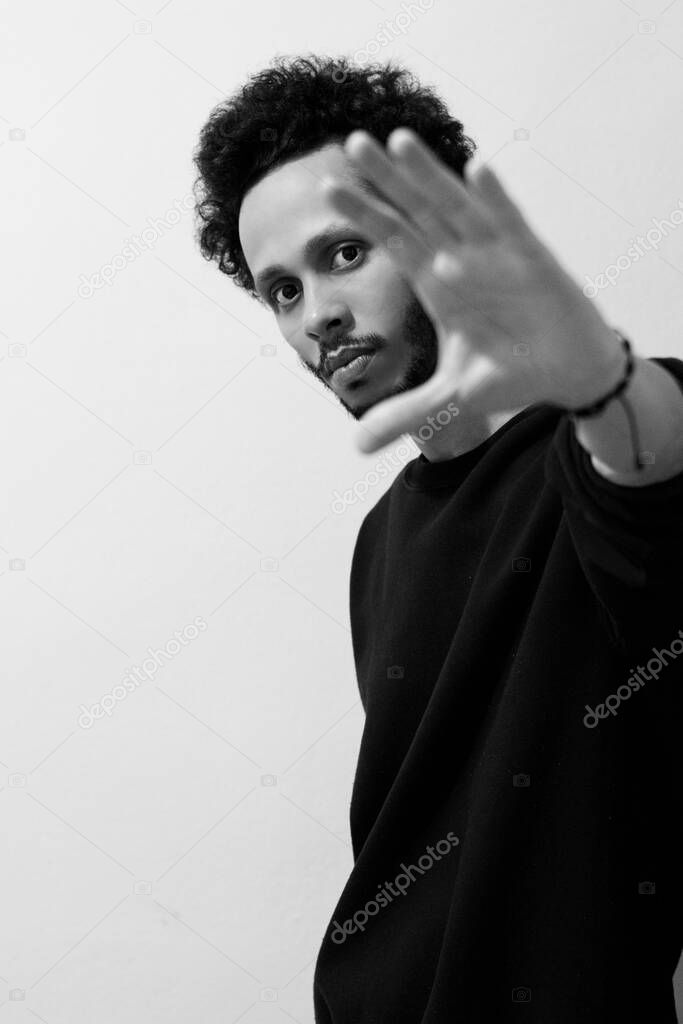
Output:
x=516 y=807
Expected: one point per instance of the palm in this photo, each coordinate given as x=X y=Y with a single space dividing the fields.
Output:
x=512 y=326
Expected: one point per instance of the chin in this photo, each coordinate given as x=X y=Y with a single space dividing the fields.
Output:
x=358 y=403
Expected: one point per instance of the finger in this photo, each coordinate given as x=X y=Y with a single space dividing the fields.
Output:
x=503 y=210
x=408 y=411
x=392 y=417
x=461 y=377
x=427 y=211
x=382 y=223
x=439 y=186
x=407 y=247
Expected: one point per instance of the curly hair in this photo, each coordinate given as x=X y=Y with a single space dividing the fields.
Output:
x=291 y=108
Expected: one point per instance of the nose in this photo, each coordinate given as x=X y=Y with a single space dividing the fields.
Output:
x=326 y=324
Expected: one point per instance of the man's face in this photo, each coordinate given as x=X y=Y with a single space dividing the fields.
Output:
x=345 y=291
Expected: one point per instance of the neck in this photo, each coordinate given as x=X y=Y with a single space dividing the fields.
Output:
x=461 y=434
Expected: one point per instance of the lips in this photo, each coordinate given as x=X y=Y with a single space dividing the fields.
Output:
x=350 y=374
x=346 y=356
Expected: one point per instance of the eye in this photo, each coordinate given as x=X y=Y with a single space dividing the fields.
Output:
x=349 y=245
x=288 y=284
x=276 y=290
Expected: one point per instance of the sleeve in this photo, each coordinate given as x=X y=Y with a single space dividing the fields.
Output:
x=360 y=581
x=629 y=540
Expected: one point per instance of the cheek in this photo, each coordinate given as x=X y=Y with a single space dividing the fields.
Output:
x=285 y=333
x=391 y=297
x=292 y=333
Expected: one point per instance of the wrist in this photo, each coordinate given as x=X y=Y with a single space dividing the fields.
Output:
x=608 y=375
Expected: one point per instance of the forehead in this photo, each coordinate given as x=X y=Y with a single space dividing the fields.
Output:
x=287 y=206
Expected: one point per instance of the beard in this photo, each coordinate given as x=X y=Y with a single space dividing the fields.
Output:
x=423 y=350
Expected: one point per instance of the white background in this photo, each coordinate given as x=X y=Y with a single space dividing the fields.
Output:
x=179 y=859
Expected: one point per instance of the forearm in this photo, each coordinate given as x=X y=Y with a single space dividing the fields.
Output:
x=656 y=401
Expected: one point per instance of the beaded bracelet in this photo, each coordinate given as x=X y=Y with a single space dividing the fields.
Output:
x=596 y=407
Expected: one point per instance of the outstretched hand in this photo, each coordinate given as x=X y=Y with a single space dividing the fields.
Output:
x=513 y=328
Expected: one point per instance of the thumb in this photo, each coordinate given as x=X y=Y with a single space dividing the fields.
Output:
x=399 y=414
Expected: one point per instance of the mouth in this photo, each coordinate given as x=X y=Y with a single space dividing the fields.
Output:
x=353 y=369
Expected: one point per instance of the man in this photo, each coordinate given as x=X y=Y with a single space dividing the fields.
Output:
x=516 y=623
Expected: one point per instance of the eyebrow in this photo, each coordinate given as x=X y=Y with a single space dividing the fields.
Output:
x=319 y=241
